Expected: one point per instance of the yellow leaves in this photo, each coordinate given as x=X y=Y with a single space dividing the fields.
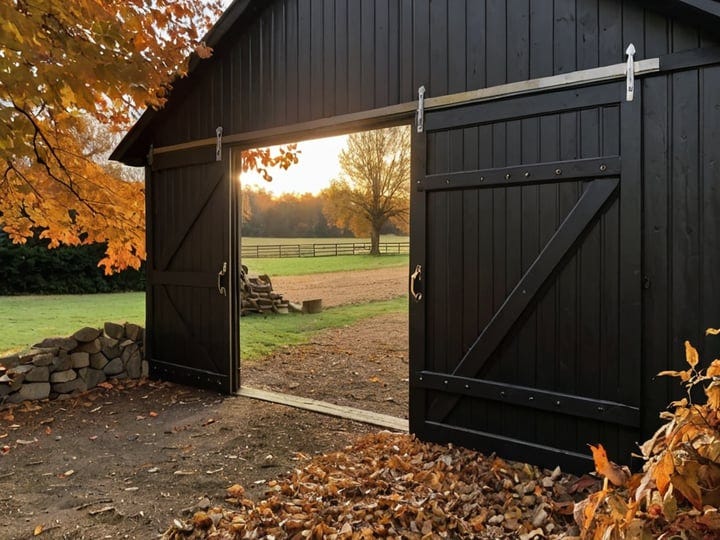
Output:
x=669 y=505
x=713 y=395
x=203 y=51
x=663 y=471
x=90 y=58
x=67 y=97
x=612 y=471
x=685 y=480
x=714 y=369
x=684 y=375
x=681 y=477
x=692 y=358
x=691 y=355
x=262 y=159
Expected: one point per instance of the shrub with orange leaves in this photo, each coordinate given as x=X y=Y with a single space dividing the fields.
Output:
x=678 y=490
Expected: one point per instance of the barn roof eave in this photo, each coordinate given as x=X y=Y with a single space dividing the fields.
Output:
x=132 y=149
x=702 y=14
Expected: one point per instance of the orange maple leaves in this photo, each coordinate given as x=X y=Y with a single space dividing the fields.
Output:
x=63 y=66
x=616 y=474
x=679 y=488
x=262 y=159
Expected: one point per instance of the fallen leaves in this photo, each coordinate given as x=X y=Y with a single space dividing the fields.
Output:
x=616 y=474
x=391 y=485
x=679 y=488
x=24 y=442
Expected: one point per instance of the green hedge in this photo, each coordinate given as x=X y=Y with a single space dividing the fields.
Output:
x=32 y=268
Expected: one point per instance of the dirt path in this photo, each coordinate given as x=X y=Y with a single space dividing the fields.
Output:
x=123 y=462
x=363 y=366
x=339 y=288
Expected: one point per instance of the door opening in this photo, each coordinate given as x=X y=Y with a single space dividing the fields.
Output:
x=324 y=297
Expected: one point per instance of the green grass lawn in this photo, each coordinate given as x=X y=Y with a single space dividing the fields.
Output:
x=28 y=319
x=260 y=335
x=25 y=320
x=318 y=265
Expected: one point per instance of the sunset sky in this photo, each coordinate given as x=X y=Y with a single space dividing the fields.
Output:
x=317 y=166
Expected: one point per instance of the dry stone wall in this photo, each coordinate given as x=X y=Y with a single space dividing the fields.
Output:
x=60 y=366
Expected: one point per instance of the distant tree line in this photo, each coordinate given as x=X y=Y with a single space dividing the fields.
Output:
x=290 y=216
x=32 y=268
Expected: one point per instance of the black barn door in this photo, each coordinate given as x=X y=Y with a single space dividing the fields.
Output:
x=192 y=327
x=526 y=251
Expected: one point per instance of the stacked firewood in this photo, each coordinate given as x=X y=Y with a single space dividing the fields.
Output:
x=257 y=295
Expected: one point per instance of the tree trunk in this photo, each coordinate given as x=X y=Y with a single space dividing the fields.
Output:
x=375 y=241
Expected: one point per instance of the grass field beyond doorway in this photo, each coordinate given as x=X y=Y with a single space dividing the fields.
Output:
x=320 y=265
x=29 y=319
x=260 y=335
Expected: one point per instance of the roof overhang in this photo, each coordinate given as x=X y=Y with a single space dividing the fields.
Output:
x=702 y=14
x=131 y=149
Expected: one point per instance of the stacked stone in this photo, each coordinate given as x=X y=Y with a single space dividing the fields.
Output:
x=57 y=367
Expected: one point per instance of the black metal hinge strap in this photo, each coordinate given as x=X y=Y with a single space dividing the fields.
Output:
x=508 y=446
x=536 y=173
x=534 y=398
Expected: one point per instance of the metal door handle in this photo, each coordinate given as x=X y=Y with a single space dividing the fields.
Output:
x=416 y=275
x=221 y=273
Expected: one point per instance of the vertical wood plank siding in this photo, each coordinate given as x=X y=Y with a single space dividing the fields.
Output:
x=681 y=122
x=302 y=60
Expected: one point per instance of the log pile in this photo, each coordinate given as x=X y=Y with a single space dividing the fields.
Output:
x=257 y=295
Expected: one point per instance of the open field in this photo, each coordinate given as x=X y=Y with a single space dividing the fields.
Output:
x=258 y=241
x=321 y=265
x=28 y=319
x=260 y=336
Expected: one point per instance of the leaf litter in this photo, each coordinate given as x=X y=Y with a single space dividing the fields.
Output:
x=390 y=485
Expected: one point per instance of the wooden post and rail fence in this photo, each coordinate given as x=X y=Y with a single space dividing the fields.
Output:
x=276 y=251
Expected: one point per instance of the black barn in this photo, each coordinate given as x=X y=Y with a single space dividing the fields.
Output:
x=564 y=238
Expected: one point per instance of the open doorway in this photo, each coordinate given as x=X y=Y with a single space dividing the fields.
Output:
x=325 y=246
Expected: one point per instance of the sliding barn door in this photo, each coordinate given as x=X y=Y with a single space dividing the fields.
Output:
x=525 y=323
x=192 y=324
